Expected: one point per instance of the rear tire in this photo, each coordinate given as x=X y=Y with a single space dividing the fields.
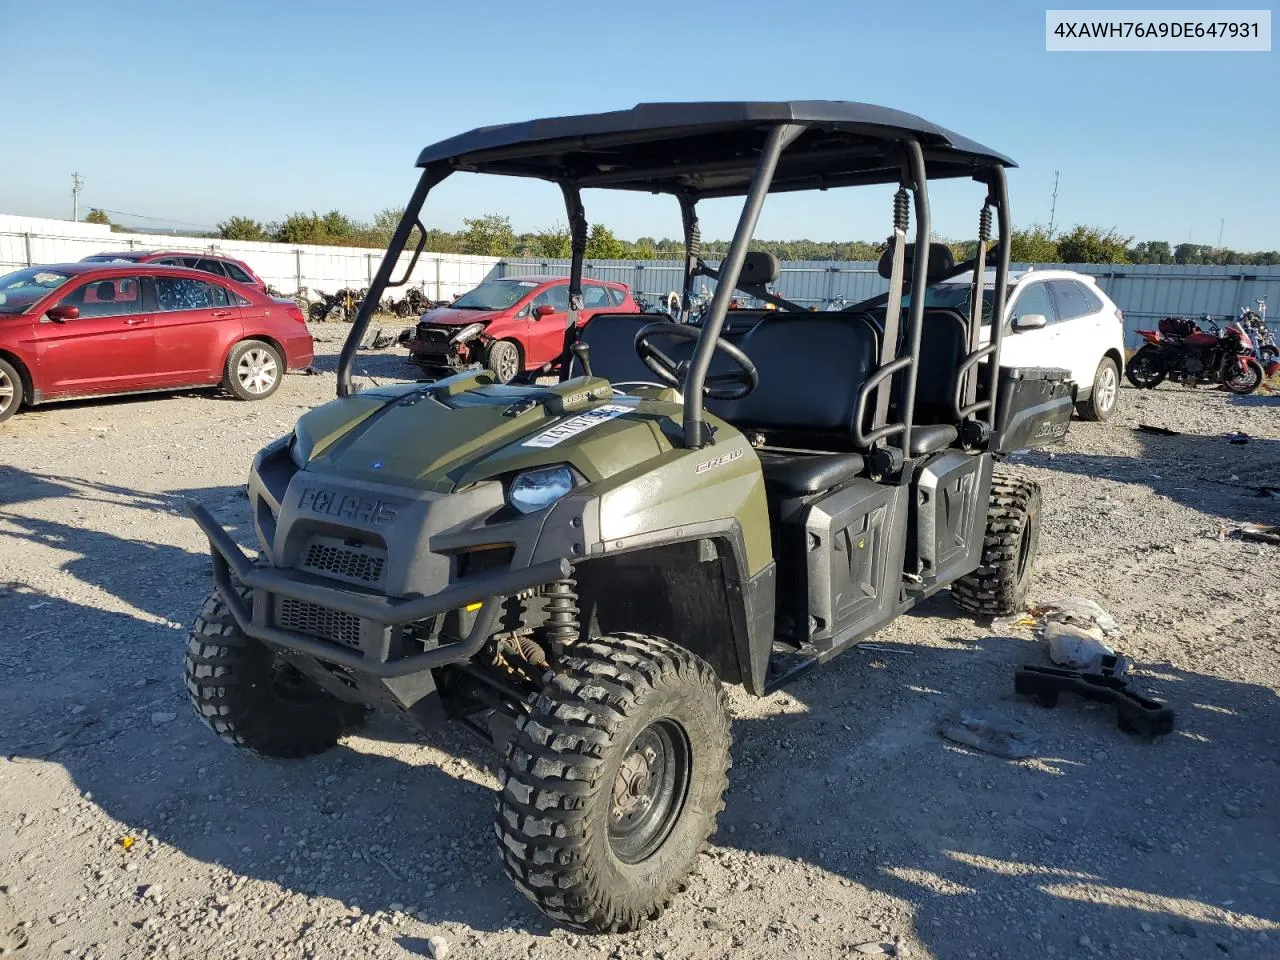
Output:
x=11 y=390
x=1000 y=584
x=254 y=370
x=1146 y=369
x=504 y=359
x=252 y=698
x=612 y=783
x=1105 y=397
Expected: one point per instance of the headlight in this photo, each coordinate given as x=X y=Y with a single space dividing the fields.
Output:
x=538 y=489
x=467 y=332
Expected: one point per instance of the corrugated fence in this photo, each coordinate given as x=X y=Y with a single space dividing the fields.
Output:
x=1145 y=292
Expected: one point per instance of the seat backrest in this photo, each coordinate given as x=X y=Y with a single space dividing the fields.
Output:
x=612 y=339
x=943 y=347
x=811 y=366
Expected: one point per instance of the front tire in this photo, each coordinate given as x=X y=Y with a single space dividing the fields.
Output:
x=1146 y=369
x=254 y=370
x=1247 y=380
x=11 y=391
x=613 y=782
x=504 y=360
x=1105 y=397
x=252 y=698
x=1000 y=584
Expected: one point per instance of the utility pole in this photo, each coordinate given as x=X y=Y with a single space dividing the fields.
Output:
x=1221 y=226
x=77 y=184
x=1053 y=206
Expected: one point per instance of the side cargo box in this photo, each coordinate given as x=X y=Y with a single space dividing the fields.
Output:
x=1033 y=407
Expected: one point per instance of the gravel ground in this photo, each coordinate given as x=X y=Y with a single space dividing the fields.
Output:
x=127 y=830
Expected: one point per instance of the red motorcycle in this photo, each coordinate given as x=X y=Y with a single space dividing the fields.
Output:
x=1183 y=353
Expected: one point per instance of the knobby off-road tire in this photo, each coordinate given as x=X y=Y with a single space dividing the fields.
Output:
x=251 y=698
x=623 y=720
x=999 y=586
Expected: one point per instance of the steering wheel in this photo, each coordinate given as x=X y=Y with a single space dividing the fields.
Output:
x=720 y=386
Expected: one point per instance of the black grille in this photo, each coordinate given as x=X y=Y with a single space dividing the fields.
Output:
x=317 y=621
x=344 y=562
x=435 y=337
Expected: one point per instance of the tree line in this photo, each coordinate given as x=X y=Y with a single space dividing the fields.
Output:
x=492 y=235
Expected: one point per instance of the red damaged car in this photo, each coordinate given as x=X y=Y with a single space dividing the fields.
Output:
x=512 y=326
x=84 y=329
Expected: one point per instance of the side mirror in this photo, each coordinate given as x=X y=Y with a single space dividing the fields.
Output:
x=61 y=314
x=1029 y=321
x=543 y=310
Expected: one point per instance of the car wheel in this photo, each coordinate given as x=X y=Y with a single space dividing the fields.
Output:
x=10 y=391
x=254 y=370
x=503 y=358
x=1105 y=397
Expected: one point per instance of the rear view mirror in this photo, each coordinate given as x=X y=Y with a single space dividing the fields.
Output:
x=1029 y=321
x=60 y=314
x=543 y=310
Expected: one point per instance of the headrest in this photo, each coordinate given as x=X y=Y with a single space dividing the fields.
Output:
x=106 y=290
x=941 y=262
x=759 y=266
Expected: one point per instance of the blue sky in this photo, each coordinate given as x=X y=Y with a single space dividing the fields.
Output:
x=195 y=112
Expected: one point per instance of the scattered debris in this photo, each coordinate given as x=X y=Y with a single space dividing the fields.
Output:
x=995 y=733
x=1259 y=532
x=127 y=842
x=161 y=718
x=1080 y=611
x=1161 y=431
x=882 y=649
x=875 y=949
x=1239 y=438
x=1135 y=713
x=1074 y=647
x=437 y=947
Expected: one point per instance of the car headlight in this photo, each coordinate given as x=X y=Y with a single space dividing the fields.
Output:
x=467 y=332
x=539 y=489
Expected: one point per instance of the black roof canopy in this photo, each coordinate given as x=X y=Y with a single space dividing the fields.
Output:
x=711 y=149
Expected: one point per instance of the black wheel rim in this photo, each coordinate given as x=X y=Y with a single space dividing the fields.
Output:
x=649 y=791
x=289 y=684
x=1247 y=380
x=1024 y=551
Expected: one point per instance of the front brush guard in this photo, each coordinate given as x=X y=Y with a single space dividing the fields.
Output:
x=378 y=615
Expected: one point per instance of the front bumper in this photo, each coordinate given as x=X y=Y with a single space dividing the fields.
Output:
x=379 y=654
x=435 y=347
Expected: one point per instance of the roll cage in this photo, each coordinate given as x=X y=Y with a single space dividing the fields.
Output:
x=694 y=151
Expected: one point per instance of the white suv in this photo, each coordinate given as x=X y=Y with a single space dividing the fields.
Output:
x=1055 y=318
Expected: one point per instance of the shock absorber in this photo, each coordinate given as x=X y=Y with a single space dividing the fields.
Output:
x=984 y=224
x=901 y=210
x=562 y=627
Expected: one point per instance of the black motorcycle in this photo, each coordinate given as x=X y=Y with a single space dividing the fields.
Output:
x=1180 y=351
x=1255 y=322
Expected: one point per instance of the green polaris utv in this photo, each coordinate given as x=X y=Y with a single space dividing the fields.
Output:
x=573 y=569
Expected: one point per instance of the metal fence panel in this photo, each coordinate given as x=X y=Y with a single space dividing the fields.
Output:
x=1144 y=292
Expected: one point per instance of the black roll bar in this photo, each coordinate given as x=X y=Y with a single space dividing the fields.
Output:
x=692 y=254
x=1000 y=195
x=382 y=279
x=919 y=280
x=730 y=269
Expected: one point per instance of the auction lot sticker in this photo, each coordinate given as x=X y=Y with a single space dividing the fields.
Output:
x=576 y=425
x=1155 y=31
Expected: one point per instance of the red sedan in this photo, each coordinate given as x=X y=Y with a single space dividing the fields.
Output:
x=90 y=329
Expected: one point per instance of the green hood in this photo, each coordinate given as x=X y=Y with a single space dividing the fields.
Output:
x=446 y=435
